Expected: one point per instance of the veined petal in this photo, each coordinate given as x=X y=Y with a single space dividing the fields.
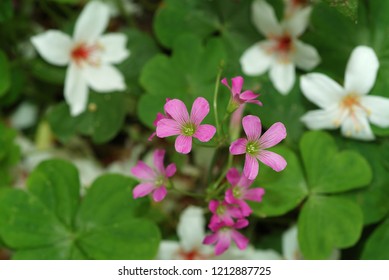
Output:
x=238 y=147
x=255 y=194
x=205 y=132
x=167 y=127
x=357 y=127
x=223 y=243
x=183 y=144
x=233 y=176
x=54 y=46
x=241 y=241
x=200 y=110
x=282 y=76
x=158 y=157
x=378 y=107
x=114 y=48
x=256 y=60
x=251 y=167
x=265 y=19
x=92 y=22
x=274 y=135
x=273 y=160
x=177 y=110
x=190 y=228
x=321 y=90
x=142 y=171
x=159 y=194
x=252 y=127
x=104 y=78
x=298 y=22
x=142 y=190
x=322 y=119
x=170 y=170
x=236 y=84
x=361 y=71
x=306 y=57
x=76 y=90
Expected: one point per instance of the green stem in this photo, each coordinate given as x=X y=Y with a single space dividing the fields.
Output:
x=215 y=97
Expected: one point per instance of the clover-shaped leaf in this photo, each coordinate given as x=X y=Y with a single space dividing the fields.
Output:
x=9 y=154
x=49 y=221
x=377 y=246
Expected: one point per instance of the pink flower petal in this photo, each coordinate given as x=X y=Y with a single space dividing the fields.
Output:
x=168 y=127
x=159 y=194
x=170 y=170
x=237 y=84
x=238 y=147
x=242 y=223
x=240 y=240
x=245 y=182
x=248 y=95
x=259 y=103
x=213 y=205
x=142 y=190
x=210 y=239
x=225 y=82
x=159 y=155
x=177 y=110
x=273 y=160
x=233 y=176
x=183 y=144
x=205 y=132
x=244 y=208
x=223 y=243
x=251 y=167
x=254 y=194
x=142 y=171
x=235 y=212
x=229 y=197
x=274 y=135
x=158 y=118
x=252 y=127
x=200 y=110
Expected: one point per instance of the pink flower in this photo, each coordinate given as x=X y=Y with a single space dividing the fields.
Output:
x=238 y=97
x=223 y=235
x=153 y=180
x=223 y=212
x=159 y=117
x=240 y=191
x=254 y=146
x=186 y=126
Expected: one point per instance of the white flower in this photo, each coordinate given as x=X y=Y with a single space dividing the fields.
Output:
x=281 y=52
x=347 y=107
x=89 y=55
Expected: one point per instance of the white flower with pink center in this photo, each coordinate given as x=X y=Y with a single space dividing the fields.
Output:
x=282 y=51
x=89 y=56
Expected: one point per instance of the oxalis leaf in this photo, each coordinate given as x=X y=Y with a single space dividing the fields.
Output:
x=49 y=221
x=377 y=246
x=9 y=154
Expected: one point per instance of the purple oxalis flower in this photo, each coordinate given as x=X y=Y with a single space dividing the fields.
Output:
x=238 y=97
x=159 y=117
x=186 y=126
x=153 y=180
x=223 y=212
x=255 y=146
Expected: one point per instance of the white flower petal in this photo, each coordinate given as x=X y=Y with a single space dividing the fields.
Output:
x=256 y=60
x=290 y=245
x=361 y=71
x=104 y=78
x=322 y=119
x=356 y=126
x=168 y=250
x=25 y=116
x=282 y=76
x=76 y=90
x=114 y=48
x=306 y=57
x=92 y=22
x=190 y=228
x=54 y=46
x=321 y=90
x=298 y=22
x=264 y=18
x=378 y=107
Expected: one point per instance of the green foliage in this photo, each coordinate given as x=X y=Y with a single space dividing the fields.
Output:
x=6 y=10
x=5 y=81
x=347 y=7
x=49 y=221
x=377 y=246
x=9 y=154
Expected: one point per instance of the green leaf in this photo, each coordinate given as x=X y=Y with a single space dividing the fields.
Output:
x=348 y=8
x=283 y=190
x=331 y=171
x=6 y=11
x=5 y=81
x=326 y=223
x=48 y=221
x=47 y=72
x=377 y=246
x=9 y=154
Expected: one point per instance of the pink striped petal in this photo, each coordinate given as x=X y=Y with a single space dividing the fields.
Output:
x=238 y=147
x=233 y=176
x=170 y=170
x=252 y=127
x=210 y=239
x=159 y=155
x=205 y=132
x=159 y=194
x=274 y=135
x=142 y=171
x=177 y=110
x=183 y=144
x=273 y=160
x=248 y=95
x=223 y=243
x=240 y=240
x=237 y=84
x=200 y=110
x=142 y=190
x=251 y=167
x=254 y=194
x=168 y=127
